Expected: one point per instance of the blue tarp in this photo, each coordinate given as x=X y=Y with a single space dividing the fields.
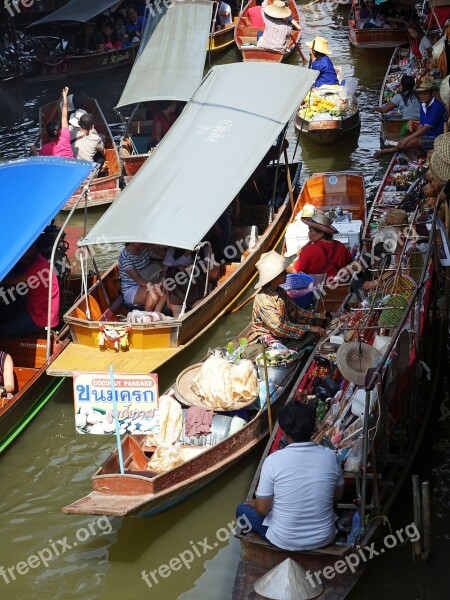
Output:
x=32 y=191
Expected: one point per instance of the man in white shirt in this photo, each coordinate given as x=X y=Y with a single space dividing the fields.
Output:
x=86 y=143
x=224 y=16
x=293 y=508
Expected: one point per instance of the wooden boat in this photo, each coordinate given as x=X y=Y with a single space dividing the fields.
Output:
x=152 y=344
x=222 y=40
x=391 y=124
x=329 y=131
x=140 y=492
x=403 y=391
x=105 y=188
x=373 y=38
x=245 y=38
x=33 y=355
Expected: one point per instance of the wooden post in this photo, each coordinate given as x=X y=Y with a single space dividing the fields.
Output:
x=289 y=182
x=426 y=520
x=417 y=546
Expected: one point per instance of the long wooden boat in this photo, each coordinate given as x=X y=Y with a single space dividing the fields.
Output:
x=105 y=188
x=222 y=40
x=402 y=390
x=34 y=354
x=392 y=124
x=373 y=38
x=245 y=37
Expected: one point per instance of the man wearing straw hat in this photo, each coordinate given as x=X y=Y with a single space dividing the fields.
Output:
x=430 y=126
x=321 y=62
x=275 y=315
x=278 y=26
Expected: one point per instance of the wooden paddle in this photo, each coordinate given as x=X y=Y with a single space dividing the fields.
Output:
x=302 y=56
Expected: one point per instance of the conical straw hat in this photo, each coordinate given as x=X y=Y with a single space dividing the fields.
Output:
x=287 y=581
x=277 y=10
x=354 y=359
x=320 y=45
x=270 y=265
x=444 y=90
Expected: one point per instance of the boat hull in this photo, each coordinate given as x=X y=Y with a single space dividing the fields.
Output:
x=222 y=40
x=376 y=37
x=329 y=132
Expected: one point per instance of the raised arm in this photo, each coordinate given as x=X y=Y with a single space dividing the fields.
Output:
x=64 y=111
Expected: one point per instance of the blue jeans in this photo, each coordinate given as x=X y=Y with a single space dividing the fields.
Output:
x=255 y=519
x=19 y=326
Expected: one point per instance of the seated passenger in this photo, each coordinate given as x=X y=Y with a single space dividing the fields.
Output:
x=178 y=261
x=420 y=43
x=163 y=120
x=7 y=385
x=89 y=40
x=86 y=143
x=293 y=508
x=134 y=259
x=59 y=134
x=32 y=281
x=322 y=254
x=121 y=30
x=405 y=101
x=135 y=25
x=320 y=62
x=431 y=122
x=255 y=15
x=274 y=314
x=111 y=40
x=278 y=27
x=224 y=16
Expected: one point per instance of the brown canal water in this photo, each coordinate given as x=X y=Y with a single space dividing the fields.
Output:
x=49 y=466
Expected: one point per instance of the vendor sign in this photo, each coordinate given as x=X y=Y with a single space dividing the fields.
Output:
x=136 y=398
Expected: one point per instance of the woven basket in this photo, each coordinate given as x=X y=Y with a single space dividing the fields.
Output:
x=391 y=316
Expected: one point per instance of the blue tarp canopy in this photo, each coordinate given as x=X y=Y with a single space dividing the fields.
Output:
x=32 y=191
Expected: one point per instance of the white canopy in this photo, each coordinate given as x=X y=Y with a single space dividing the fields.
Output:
x=77 y=10
x=207 y=156
x=172 y=54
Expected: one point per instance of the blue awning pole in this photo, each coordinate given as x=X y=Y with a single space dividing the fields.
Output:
x=116 y=419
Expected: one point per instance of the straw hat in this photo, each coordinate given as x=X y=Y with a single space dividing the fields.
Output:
x=354 y=359
x=75 y=118
x=277 y=10
x=426 y=85
x=270 y=265
x=442 y=146
x=320 y=44
x=444 y=90
x=396 y=217
x=321 y=222
x=287 y=581
x=439 y=166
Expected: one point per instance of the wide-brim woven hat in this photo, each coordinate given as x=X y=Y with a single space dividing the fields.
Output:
x=186 y=395
x=439 y=166
x=75 y=118
x=277 y=10
x=354 y=359
x=442 y=145
x=270 y=265
x=321 y=222
x=426 y=85
x=444 y=90
x=396 y=218
x=320 y=44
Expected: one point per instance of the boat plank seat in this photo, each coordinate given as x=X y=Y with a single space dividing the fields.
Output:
x=333 y=298
x=83 y=358
x=333 y=549
x=97 y=503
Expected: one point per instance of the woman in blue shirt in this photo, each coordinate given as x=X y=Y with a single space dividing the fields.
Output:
x=320 y=62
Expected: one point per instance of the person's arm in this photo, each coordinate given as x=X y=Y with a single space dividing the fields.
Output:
x=157 y=130
x=275 y=317
x=385 y=108
x=295 y=25
x=134 y=274
x=8 y=375
x=262 y=505
x=64 y=111
x=420 y=131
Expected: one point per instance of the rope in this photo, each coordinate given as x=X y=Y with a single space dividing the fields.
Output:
x=84 y=286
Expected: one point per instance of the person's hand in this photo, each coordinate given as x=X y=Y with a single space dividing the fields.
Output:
x=317 y=330
x=367 y=286
x=34 y=150
x=65 y=92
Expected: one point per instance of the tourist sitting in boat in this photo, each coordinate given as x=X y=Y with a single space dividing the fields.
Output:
x=86 y=143
x=320 y=53
x=293 y=507
x=31 y=280
x=275 y=316
x=111 y=40
x=224 y=16
x=135 y=25
x=420 y=43
x=58 y=134
x=89 y=40
x=255 y=14
x=405 y=101
x=431 y=123
x=138 y=285
x=163 y=120
x=7 y=385
x=322 y=254
x=278 y=27
x=120 y=29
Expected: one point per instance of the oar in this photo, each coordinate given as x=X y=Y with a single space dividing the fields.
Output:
x=302 y=56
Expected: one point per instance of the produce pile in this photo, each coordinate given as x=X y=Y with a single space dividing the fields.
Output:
x=324 y=105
